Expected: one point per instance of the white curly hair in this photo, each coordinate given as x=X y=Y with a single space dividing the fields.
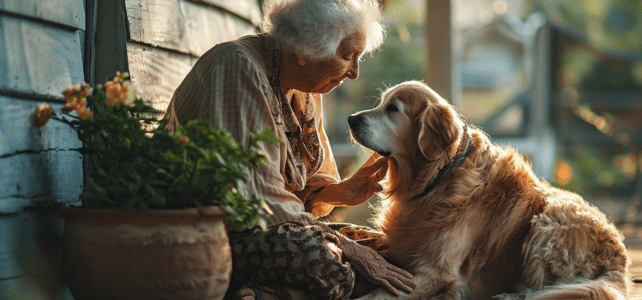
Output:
x=315 y=28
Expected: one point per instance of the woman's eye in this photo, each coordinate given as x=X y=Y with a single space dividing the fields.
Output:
x=391 y=108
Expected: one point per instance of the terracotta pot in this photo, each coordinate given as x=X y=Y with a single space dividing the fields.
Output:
x=162 y=254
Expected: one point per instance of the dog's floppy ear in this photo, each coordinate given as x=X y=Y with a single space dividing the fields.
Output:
x=437 y=132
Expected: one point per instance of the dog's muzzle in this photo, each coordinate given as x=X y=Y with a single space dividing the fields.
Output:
x=354 y=122
x=356 y=128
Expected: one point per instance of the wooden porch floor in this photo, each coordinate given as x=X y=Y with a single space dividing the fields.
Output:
x=633 y=241
x=636 y=273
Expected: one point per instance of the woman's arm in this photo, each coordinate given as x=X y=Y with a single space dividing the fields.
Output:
x=357 y=189
x=228 y=90
x=325 y=190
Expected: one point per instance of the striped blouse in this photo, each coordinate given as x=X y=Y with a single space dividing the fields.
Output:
x=230 y=86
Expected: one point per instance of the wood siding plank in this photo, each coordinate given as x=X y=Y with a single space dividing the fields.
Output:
x=37 y=59
x=161 y=30
x=155 y=73
x=53 y=176
x=247 y=9
x=204 y=28
x=157 y=23
x=183 y=25
x=19 y=133
x=65 y=12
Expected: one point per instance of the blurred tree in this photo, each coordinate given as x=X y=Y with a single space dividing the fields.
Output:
x=609 y=24
x=599 y=57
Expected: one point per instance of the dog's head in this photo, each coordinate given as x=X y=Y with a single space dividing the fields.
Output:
x=421 y=132
x=411 y=120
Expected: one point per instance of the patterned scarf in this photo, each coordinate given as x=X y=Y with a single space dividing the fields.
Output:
x=299 y=122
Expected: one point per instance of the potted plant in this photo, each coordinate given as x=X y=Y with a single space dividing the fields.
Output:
x=151 y=224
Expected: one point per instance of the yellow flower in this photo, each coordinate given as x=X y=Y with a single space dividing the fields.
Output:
x=71 y=91
x=84 y=113
x=119 y=93
x=120 y=77
x=68 y=107
x=129 y=93
x=43 y=114
x=76 y=96
x=114 y=95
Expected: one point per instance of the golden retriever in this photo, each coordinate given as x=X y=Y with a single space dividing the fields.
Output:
x=471 y=220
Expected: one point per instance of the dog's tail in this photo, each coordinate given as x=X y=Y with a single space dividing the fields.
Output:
x=608 y=286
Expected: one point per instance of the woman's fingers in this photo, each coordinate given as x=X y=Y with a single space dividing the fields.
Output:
x=400 y=279
x=372 y=168
x=376 y=269
x=399 y=271
x=395 y=282
x=372 y=158
x=404 y=286
x=386 y=285
x=397 y=279
x=379 y=175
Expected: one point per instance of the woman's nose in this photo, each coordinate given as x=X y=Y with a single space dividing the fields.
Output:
x=353 y=72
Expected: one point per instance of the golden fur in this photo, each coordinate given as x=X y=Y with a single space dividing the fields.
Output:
x=491 y=229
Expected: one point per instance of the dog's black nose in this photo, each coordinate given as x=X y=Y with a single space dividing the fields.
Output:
x=353 y=121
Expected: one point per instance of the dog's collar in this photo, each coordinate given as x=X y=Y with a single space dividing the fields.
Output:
x=462 y=151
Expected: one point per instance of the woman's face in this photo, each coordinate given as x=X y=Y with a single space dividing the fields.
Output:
x=327 y=74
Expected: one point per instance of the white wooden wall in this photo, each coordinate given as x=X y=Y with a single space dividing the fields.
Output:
x=42 y=45
x=166 y=37
x=41 y=53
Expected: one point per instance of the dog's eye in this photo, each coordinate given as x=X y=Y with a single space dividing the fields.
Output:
x=391 y=108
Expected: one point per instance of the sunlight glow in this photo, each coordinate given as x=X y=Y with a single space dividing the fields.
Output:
x=601 y=123
x=500 y=7
x=563 y=173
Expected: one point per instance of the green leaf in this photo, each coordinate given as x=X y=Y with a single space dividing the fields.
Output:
x=132 y=171
x=132 y=187
x=130 y=203
x=157 y=200
x=266 y=134
x=142 y=206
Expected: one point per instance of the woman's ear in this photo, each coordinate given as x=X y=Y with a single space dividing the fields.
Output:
x=437 y=132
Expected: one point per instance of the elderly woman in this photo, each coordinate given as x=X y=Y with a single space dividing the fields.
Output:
x=276 y=78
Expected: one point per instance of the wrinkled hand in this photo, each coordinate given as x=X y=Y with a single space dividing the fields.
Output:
x=359 y=187
x=376 y=269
